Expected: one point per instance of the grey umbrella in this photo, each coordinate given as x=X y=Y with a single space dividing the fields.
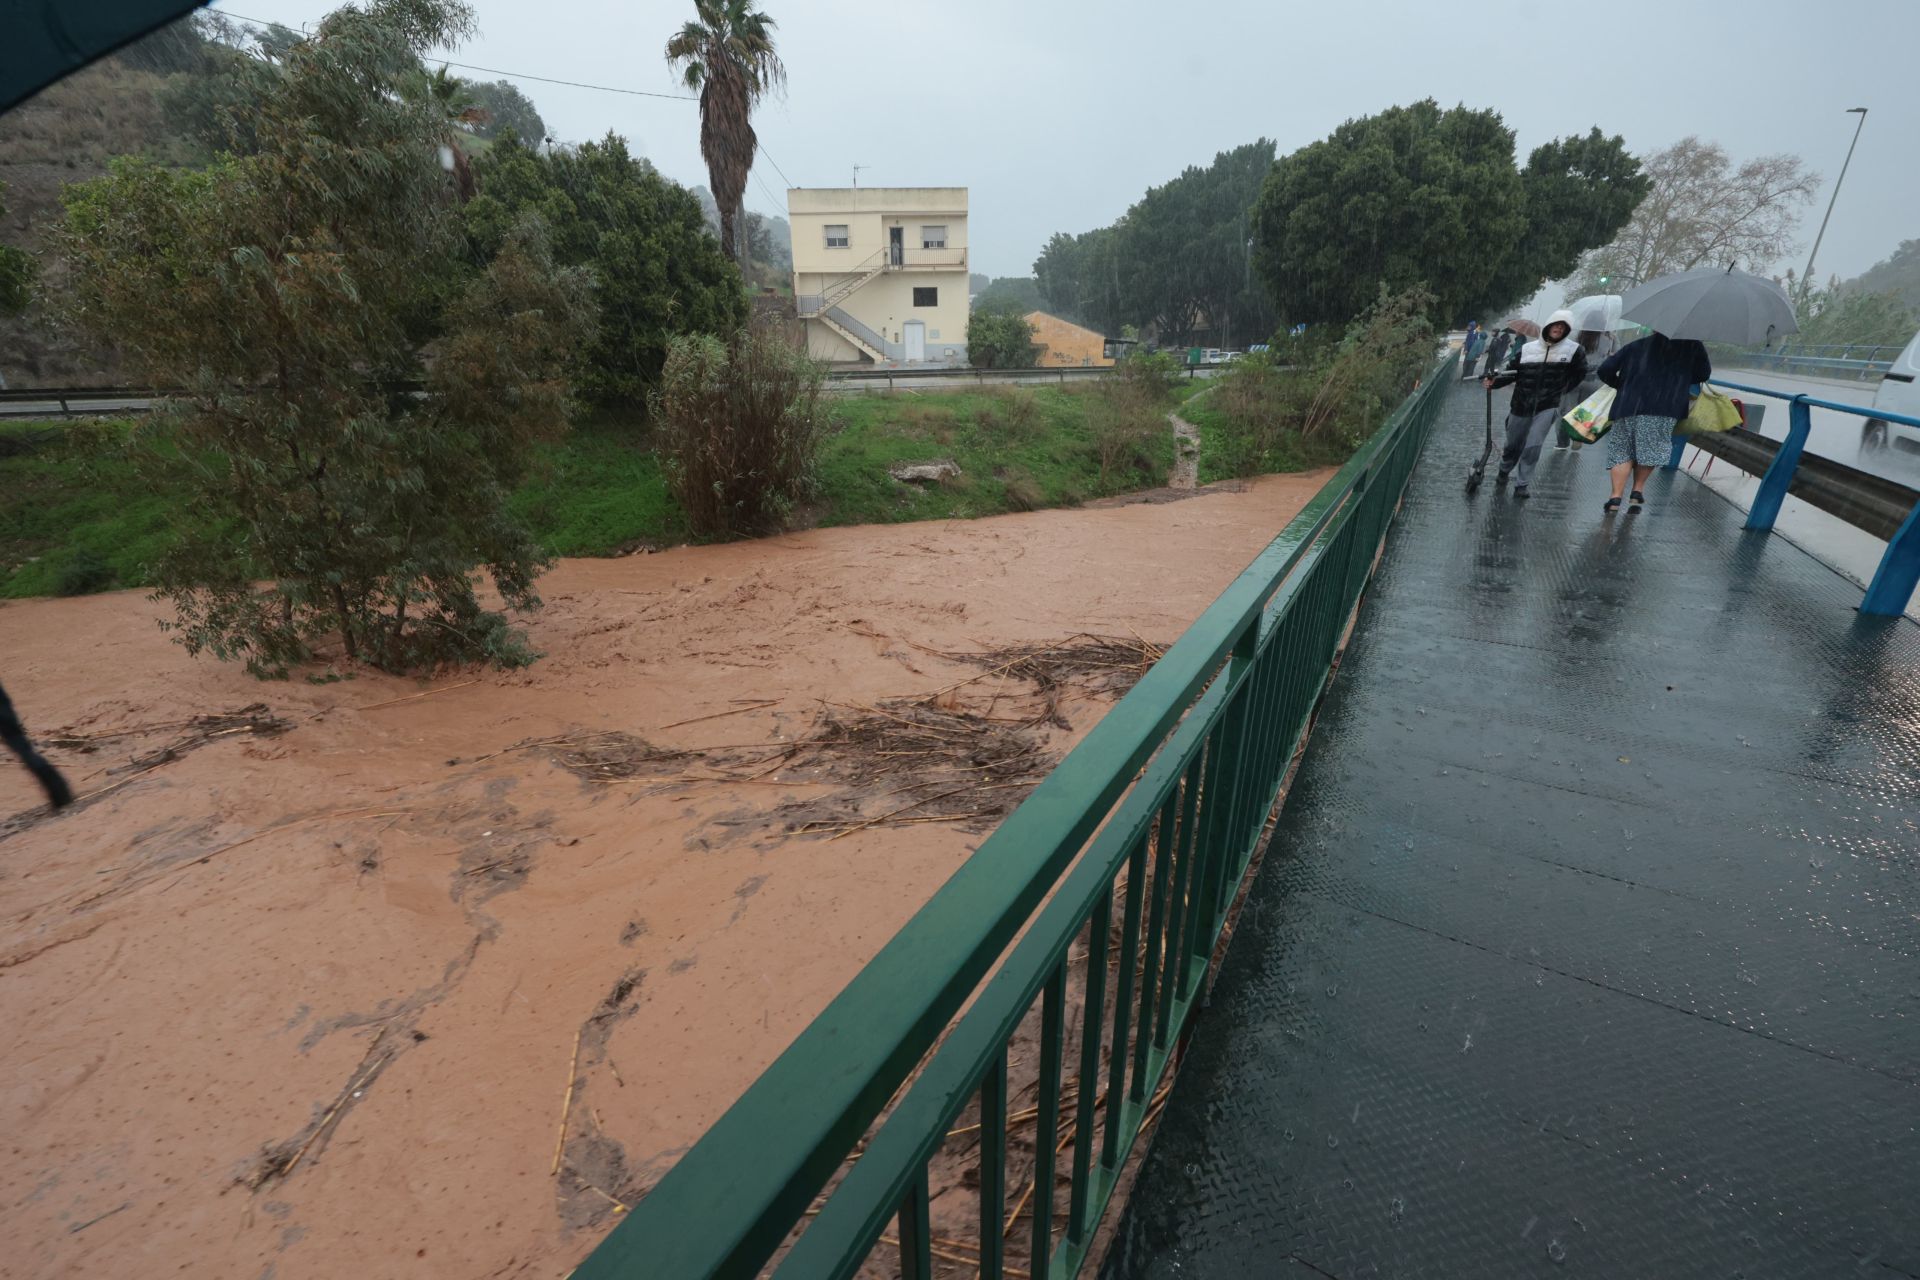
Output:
x=1713 y=305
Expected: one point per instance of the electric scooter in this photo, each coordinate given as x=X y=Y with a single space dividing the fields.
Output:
x=1479 y=469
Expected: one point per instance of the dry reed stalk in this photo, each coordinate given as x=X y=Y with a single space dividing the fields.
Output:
x=352 y=1089
x=886 y=817
x=949 y=1251
x=392 y=702
x=566 y=1106
x=760 y=705
x=618 y=1206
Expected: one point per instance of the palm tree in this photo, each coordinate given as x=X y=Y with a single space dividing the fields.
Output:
x=727 y=54
x=453 y=102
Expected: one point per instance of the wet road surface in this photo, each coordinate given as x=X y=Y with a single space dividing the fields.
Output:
x=1589 y=941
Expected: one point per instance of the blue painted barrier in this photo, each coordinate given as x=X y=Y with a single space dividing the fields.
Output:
x=1899 y=570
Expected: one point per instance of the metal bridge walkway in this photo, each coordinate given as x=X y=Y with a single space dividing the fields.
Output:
x=1589 y=939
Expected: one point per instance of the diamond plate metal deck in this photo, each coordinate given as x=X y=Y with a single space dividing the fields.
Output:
x=1589 y=940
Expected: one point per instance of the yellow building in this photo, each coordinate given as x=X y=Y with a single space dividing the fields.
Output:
x=1064 y=344
x=880 y=273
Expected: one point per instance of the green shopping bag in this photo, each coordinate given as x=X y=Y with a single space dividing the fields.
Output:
x=1711 y=413
x=1588 y=420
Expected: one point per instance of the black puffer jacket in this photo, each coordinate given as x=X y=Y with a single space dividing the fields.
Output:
x=1540 y=372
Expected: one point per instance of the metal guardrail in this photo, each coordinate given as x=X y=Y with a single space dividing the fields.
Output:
x=1864 y=500
x=894 y=378
x=1882 y=507
x=1861 y=360
x=887 y=381
x=1172 y=787
x=19 y=402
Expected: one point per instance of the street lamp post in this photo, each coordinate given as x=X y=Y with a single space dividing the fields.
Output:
x=1806 y=281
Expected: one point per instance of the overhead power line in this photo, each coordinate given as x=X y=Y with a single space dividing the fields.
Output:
x=518 y=75
x=776 y=166
x=779 y=202
x=574 y=84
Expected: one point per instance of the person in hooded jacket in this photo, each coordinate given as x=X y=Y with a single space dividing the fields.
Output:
x=1540 y=372
x=1656 y=378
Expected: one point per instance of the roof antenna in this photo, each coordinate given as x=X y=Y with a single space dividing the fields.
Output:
x=856 y=172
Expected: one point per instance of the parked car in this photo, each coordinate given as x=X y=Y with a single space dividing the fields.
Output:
x=1898 y=393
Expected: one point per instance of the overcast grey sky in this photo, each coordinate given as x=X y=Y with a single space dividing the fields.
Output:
x=1058 y=115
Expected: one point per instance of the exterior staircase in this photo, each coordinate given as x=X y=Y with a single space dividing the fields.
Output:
x=846 y=287
x=858 y=335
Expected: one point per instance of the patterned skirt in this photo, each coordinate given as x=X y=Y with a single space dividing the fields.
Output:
x=1644 y=439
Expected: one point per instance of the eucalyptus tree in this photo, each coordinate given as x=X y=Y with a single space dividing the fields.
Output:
x=361 y=394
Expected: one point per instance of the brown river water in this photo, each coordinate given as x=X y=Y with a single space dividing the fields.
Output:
x=307 y=1003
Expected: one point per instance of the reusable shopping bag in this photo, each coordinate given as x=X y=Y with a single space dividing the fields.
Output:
x=1588 y=420
x=1712 y=412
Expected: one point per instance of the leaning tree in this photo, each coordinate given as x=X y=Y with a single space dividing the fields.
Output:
x=360 y=394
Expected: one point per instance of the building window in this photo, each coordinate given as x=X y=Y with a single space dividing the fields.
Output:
x=836 y=235
x=926 y=297
x=933 y=237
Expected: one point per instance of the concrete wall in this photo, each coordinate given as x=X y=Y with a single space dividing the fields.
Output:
x=1064 y=344
x=824 y=344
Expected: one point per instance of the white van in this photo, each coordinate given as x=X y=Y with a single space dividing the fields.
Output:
x=1899 y=393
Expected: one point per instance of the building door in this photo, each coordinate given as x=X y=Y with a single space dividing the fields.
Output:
x=897 y=245
x=914 y=334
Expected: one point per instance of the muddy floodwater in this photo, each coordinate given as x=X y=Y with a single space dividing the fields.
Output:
x=299 y=987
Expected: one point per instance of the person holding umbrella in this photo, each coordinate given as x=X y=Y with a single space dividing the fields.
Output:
x=1656 y=379
x=1658 y=376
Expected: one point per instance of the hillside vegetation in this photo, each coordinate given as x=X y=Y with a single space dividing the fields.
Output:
x=75 y=517
x=65 y=134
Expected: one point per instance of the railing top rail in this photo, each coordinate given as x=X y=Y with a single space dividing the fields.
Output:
x=821 y=1093
x=1807 y=348
x=1027 y=371
x=1859 y=411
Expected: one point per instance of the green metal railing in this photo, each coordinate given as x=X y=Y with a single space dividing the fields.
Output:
x=1160 y=811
